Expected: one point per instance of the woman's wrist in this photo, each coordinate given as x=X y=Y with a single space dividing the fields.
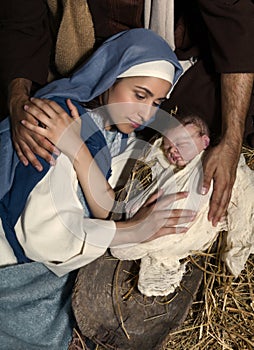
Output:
x=126 y=233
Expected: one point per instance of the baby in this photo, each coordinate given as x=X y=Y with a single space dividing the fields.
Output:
x=182 y=143
x=175 y=160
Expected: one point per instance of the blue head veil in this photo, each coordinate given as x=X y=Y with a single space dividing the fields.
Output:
x=114 y=57
x=98 y=74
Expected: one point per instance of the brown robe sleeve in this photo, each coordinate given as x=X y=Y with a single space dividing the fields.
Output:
x=24 y=40
x=113 y=16
x=230 y=25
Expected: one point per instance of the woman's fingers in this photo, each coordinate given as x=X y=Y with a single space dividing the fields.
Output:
x=73 y=109
x=154 y=197
x=55 y=124
x=48 y=106
x=46 y=111
x=172 y=223
x=178 y=216
x=165 y=201
x=41 y=116
x=35 y=128
x=164 y=231
x=42 y=148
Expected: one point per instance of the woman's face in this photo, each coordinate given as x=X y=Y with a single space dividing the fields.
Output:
x=135 y=101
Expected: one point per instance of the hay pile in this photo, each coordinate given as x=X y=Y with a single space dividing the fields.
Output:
x=223 y=315
x=249 y=156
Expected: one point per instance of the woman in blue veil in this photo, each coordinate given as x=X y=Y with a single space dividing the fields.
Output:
x=35 y=310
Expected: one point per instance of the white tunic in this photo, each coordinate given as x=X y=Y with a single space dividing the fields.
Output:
x=52 y=228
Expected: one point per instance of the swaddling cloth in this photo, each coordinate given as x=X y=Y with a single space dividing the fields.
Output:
x=161 y=269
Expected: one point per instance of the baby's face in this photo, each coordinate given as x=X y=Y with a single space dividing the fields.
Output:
x=183 y=143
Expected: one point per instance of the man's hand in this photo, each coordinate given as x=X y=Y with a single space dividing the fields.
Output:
x=26 y=142
x=220 y=164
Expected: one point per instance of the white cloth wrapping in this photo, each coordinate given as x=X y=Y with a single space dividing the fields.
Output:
x=161 y=269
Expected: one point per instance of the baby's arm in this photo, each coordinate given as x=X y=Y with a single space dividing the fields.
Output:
x=64 y=132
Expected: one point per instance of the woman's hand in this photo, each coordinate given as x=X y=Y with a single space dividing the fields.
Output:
x=154 y=220
x=56 y=125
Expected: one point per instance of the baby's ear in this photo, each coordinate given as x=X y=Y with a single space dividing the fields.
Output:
x=206 y=141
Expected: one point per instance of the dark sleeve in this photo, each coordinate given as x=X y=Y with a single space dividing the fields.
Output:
x=230 y=25
x=24 y=40
x=111 y=16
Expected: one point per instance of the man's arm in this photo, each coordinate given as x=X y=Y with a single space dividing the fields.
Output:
x=230 y=26
x=221 y=161
x=25 y=37
x=26 y=143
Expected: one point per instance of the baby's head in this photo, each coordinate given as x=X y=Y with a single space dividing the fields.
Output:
x=184 y=141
